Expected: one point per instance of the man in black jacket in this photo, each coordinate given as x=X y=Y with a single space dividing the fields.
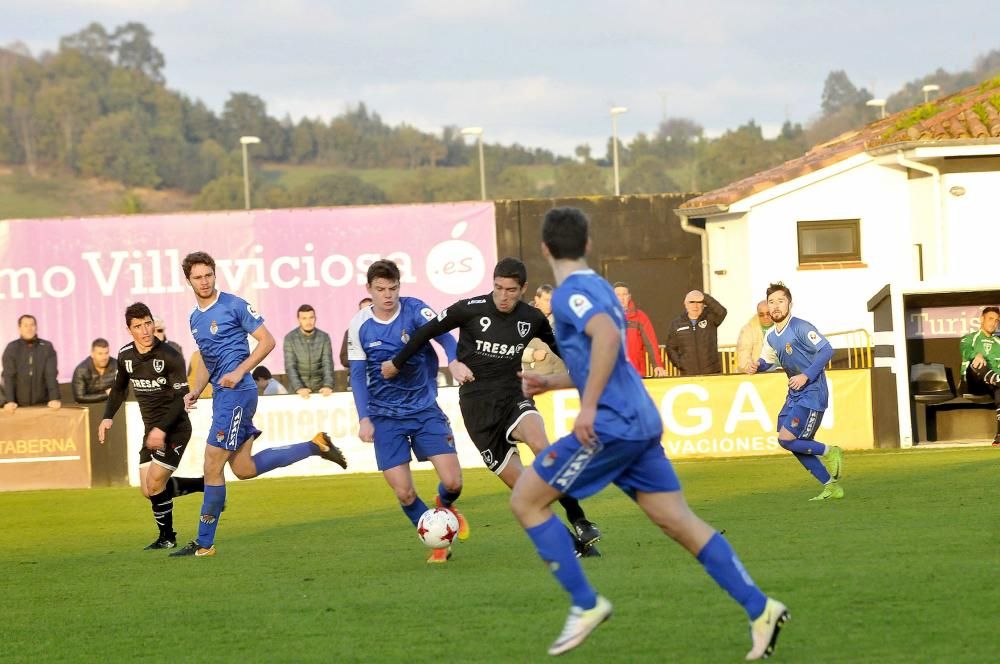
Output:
x=692 y=342
x=93 y=378
x=29 y=369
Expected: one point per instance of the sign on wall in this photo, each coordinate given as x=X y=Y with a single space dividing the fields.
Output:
x=76 y=276
x=41 y=448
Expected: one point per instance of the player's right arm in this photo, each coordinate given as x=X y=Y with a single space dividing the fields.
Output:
x=358 y=361
x=116 y=397
x=768 y=358
x=605 y=342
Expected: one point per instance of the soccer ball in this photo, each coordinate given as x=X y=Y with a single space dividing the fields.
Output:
x=437 y=528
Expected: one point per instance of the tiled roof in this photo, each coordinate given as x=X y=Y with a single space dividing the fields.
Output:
x=970 y=115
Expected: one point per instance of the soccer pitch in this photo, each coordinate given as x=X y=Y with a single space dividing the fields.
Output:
x=902 y=570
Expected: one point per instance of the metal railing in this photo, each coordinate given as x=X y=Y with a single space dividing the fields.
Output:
x=852 y=350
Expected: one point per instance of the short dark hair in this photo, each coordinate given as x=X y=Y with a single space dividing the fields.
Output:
x=303 y=308
x=544 y=288
x=511 y=268
x=196 y=258
x=137 y=311
x=99 y=343
x=621 y=284
x=261 y=372
x=362 y=301
x=779 y=286
x=383 y=269
x=991 y=310
x=23 y=316
x=565 y=231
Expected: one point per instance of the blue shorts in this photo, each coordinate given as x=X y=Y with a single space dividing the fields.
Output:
x=232 y=418
x=801 y=421
x=427 y=433
x=632 y=465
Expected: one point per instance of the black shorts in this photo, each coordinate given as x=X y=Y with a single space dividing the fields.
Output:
x=177 y=441
x=490 y=420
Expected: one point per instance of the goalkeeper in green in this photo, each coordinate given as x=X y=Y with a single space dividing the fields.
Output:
x=981 y=360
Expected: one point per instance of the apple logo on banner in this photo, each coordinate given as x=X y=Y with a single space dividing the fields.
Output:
x=456 y=266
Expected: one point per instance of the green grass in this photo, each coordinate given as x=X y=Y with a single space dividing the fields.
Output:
x=902 y=570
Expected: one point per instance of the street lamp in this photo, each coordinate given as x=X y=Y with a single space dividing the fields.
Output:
x=930 y=87
x=478 y=133
x=615 y=112
x=880 y=103
x=245 y=141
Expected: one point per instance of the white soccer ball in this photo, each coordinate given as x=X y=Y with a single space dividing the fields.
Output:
x=437 y=528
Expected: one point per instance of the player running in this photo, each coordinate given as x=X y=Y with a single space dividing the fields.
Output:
x=220 y=325
x=156 y=372
x=402 y=415
x=798 y=348
x=493 y=331
x=615 y=439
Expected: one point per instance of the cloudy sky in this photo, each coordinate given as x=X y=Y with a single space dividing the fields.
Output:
x=541 y=73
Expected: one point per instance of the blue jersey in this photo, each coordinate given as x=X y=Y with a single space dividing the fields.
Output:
x=221 y=331
x=625 y=410
x=373 y=341
x=794 y=349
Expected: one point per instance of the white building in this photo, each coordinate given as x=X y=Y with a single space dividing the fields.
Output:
x=901 y=201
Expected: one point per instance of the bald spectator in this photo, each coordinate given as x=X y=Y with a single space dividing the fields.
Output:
x=29 y=369
x=751 y=339
x=94 y=377
x=537 y=355
x=640 y=339
x=160 y=332
x=693 y=340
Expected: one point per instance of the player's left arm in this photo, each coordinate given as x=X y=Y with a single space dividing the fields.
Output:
x=824 y=353
x=605 y=342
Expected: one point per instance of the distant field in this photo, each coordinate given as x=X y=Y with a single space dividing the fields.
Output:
x=26 y=197
x=902 y=570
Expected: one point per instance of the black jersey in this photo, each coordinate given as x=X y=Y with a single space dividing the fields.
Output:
x=490 y=342
x=159 y=382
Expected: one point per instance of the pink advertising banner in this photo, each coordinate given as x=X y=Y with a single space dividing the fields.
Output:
x=76 y=276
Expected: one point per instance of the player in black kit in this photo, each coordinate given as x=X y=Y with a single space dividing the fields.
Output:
x=156 y=372
x=493 y=331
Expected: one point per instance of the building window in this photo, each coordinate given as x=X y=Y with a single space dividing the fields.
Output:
x=833 y=241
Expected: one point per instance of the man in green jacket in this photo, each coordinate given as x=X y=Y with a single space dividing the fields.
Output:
x=981 y=360
x=308 y=356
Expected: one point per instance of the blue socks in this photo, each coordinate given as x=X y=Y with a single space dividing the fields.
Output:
x=723 y=565
x=808 y=453
x=447 y=497
x=279 y=457
x=415 y=510
x=211 y=509
x=555 y=546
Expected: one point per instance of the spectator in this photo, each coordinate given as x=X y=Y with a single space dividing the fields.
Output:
x=196 y=365
x=308 y=356
x=693 y=342
x=640 y=339
x=537 y=355
x=93 y=378
x=343 y=345
x=29 y=369
x=266 y=384
x=981 y=360
x=160 y=332
x=751 y=339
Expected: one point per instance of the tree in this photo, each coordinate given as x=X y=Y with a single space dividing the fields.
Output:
x=582 y=152
x=337 y=190
x=224 y=193
x=648 y=176
x=116 y=147
x=513 y=182
x=93 y=42
x=244 y=114
x=839 y=93
x=573 y=179
x=133 y=45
